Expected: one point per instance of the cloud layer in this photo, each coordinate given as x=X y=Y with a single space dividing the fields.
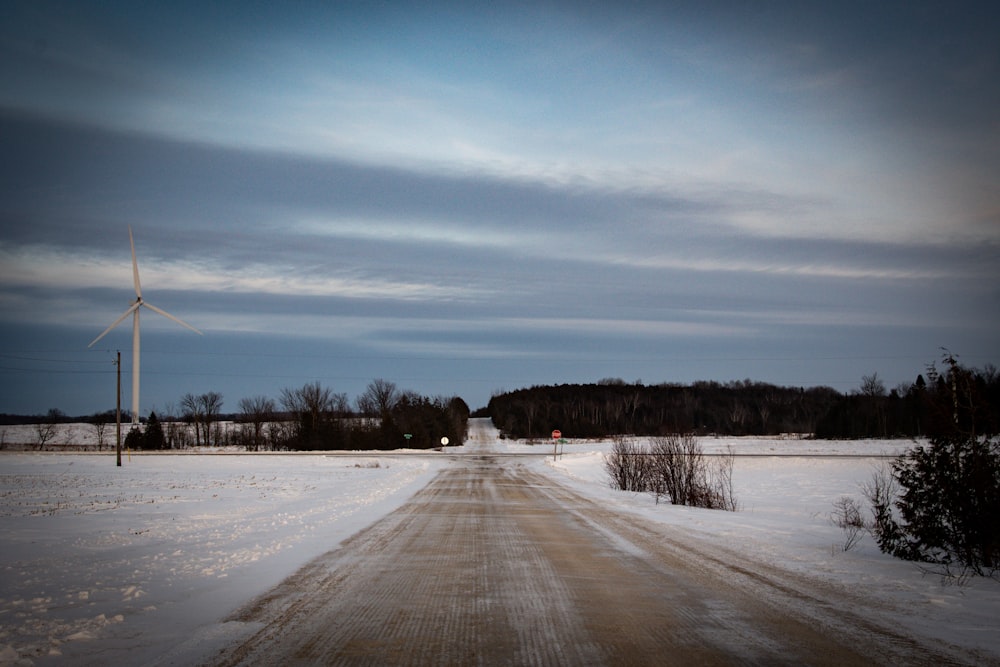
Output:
x=466 y=199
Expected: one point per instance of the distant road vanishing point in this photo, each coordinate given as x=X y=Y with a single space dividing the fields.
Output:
x=492 y=564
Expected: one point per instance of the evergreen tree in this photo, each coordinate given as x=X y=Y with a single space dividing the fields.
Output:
x=135 y=439
x=949 y=505
x=154 y=438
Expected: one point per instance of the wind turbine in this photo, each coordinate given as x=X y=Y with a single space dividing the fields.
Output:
x=134 y=311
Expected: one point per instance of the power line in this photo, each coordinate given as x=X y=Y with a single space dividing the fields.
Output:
x=50 y=360
x=54 y=371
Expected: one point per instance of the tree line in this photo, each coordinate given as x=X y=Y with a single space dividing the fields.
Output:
x=614 y=407
x=384 y=417
x=312 y=418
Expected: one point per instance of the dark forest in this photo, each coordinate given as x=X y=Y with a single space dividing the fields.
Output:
x=610 y=407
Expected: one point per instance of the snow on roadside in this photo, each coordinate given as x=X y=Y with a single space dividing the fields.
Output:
x=133 y=560
x=134 y=565
x=785 y=518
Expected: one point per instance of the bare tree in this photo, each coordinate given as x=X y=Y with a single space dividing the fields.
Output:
x=193 y=413
x=314 y=408
x=46 y=429
x=873 y=389
x=202 y=410
x=211 y=404
x=100 y=423
x=632 y=400
x=310 y=401
x=257 y=412
x=738 y=415
x=872 y=385
x=173 y=430
x=530 y=411
x=341 y=404
x=379 y=398
x=764 y=410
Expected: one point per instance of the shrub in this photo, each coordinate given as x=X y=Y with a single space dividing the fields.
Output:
x=627 y=465
x=678 y=469
x=675 y=467
x=847 y=516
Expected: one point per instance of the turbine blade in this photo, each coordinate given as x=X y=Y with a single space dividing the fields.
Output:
x=116 y=323
x=169 y=316
x=135 y=265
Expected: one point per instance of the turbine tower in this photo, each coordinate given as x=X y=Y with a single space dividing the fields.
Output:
x=134 y=311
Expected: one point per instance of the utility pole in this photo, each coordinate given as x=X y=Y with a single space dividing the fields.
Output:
x=118 y=411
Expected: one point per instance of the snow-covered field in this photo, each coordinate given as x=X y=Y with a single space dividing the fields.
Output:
x=137 y=565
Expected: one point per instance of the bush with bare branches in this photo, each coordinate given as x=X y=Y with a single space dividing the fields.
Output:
x=681 y=471
x=848 y=517
x=628 y=465
x=674 y=467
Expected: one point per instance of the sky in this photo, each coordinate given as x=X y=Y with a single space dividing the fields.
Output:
x=466 y=198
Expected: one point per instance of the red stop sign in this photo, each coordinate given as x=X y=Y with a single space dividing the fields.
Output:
x=556 y=434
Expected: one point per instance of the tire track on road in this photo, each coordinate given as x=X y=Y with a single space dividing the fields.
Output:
x=492 y=564
x=448 y=579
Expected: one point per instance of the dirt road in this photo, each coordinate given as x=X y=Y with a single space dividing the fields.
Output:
x=492 y=564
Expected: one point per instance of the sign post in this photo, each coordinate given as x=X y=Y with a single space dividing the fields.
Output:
x=118 y=411
x=556 y=434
